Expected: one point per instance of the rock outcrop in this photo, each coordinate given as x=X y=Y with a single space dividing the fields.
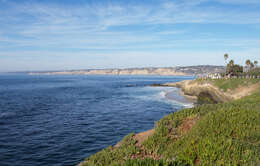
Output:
x=193 y=88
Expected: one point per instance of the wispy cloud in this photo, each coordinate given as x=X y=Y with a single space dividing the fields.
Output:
x=49 y=20
x=99 y=28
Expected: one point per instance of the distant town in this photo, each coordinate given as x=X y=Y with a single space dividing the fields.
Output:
x=232 y=70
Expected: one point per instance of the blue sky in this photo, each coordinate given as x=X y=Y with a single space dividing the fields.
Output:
x=69 y=34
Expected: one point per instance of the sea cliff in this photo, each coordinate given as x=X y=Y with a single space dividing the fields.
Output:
x=196 y=88
x=224 y=133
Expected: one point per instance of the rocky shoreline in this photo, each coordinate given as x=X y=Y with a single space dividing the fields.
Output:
x=191 y=89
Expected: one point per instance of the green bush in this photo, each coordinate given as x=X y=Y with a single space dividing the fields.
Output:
x=234 y=70
x=254 y=72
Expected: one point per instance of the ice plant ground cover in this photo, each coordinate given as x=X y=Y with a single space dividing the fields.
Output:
x=221 y=134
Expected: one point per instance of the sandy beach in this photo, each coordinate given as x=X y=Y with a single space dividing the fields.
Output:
x=176 y=95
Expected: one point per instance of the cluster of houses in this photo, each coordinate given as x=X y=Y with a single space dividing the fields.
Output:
x=219 y=76
x=214 y=76
x=246 y=69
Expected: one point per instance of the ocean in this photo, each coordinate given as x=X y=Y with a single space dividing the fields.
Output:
x=59 y=120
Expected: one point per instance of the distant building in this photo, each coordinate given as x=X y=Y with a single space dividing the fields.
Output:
x=246 y=69
x=214 y=76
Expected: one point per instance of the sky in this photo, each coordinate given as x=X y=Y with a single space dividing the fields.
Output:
x=38 y=35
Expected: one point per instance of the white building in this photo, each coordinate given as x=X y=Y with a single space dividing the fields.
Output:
x=214 y=76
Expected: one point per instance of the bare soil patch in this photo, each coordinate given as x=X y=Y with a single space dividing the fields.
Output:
x=141 y=137
x=187 y=124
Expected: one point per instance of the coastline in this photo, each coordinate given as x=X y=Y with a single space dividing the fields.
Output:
x=184 y=120
x=163 y=71
x=193 y=89
x=179 y=97
x=186 y=100
x=176 y=95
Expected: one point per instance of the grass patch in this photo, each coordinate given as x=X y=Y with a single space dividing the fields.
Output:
x=151 y=162
x=230 y=84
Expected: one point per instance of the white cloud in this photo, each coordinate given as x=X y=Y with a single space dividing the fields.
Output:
x=59 y=30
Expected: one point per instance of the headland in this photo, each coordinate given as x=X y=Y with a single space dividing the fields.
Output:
x=222 y=129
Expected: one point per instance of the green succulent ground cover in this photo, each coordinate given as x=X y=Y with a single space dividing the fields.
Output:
x=221 y=134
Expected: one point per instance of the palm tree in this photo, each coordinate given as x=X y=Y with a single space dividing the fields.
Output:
x=231 y=62
x=226 y=57
x=229 y=67
x=248 y=65
x=248 y=62
x=255 y=63
x=252 y=65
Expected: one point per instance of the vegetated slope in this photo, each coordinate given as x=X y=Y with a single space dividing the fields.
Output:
x=219 y=90
x=230 y=84
x=210 y=134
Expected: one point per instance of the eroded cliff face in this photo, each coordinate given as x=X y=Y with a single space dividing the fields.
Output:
x=193 y=88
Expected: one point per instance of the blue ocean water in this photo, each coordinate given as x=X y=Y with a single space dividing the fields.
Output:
x=60 y=120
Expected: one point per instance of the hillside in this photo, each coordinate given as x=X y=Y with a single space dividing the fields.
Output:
x=219 y=90
x=210 y=134
x=188 y=70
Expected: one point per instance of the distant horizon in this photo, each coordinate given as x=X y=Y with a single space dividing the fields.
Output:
x=24 y=71
x=70 y=35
